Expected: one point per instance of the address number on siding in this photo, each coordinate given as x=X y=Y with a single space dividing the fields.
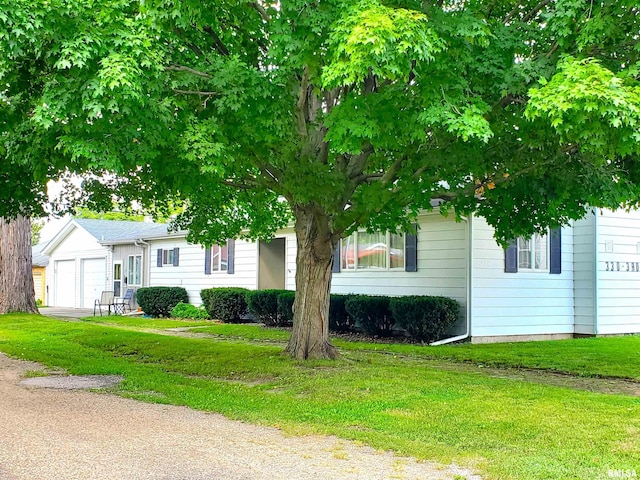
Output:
x=622 y=266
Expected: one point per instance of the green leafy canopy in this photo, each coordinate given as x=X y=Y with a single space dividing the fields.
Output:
x=363 y=112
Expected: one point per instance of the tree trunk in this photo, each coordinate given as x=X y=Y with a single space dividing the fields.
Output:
x=16 y=279
x=310 y=335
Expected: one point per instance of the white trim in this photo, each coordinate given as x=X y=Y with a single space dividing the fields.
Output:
x=128 y=276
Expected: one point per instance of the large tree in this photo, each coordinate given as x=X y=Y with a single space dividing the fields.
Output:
x=16 y=281
x=339 y=114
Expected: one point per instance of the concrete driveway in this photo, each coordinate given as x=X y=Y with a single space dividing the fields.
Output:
x=53 y=434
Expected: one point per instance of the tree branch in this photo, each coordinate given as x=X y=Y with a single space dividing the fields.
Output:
x=261 y=10
x=529 y=15
x=302 y=103
x=196 y=92
x=193 y=71
x=356 y=164
x=222 y=49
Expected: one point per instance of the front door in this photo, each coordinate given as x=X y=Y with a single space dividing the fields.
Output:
x=272 y=264
x=117 y=279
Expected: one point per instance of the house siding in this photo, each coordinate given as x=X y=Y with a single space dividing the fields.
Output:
x=39 y=283
x=442 y=267
x=618 y=270
x=190 y=272
x=584 y=281
x=522 y=303
x=120 y=253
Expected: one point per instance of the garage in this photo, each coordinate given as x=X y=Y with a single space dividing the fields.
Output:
x=93 y=279
x=65 y=283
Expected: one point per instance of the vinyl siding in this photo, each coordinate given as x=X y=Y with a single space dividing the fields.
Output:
x=442 y=267
x=618 y=245
x=584 y=254
x=522 y=303
x=190 y=272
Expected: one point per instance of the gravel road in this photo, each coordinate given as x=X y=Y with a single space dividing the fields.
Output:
x=58 y=434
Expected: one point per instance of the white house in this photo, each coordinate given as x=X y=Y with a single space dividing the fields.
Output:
x=581 y=280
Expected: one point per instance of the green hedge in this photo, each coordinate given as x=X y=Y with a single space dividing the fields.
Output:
x=425 y=318
x=225 y=304
x=159 y=301
x=263 y=305
x=371 y=313
x=186 y=310
x=339 y=319
x=285 y=307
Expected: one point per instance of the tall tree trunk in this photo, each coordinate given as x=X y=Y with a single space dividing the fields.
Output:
x=16 y=279
x=310 y=335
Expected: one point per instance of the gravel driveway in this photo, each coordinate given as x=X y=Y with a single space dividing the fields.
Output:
x=48 y=433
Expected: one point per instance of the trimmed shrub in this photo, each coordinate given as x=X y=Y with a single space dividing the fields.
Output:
x=186 y=310
x=339 y=319
x=263 y=305
x=225 y=304
x=371 y=313
x=425 y=318
x=285 y=307
x=159 y=301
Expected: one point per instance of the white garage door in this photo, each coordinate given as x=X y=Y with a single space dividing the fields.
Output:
x=93 y=278
x=65 y=283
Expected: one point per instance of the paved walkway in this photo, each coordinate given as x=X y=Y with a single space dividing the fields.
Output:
x=66 y=312
x=52 y=434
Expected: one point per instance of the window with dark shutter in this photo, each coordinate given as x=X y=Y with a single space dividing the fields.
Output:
x=159 y=262
x=411 y=251
x=555 y=251
x=335 y=268
x=511 y=257
x=231 y=255
x=207 y=260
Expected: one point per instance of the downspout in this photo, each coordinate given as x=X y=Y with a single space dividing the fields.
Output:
x=469 y=281
x=596 y=259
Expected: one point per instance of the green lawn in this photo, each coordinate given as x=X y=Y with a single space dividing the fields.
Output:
x=398 y=398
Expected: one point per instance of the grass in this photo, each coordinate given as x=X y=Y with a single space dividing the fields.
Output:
x=613 y=357
x=396 y=398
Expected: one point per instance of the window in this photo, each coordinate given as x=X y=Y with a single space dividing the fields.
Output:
x=538 y=253
x=168 y=257
x=134 y=270
x=373 y=251
x=533 y=253
x=220 y=258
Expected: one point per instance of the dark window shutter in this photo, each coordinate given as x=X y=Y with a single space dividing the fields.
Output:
x=231 y=255
x=176 y=257
x=159 y=257
x=335 y=268
x=411 y=251
x=207 y=260
x=511 y=257
x=555 y=250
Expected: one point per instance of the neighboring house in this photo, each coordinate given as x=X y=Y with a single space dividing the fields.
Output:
x=88 y=256
x=39 y=263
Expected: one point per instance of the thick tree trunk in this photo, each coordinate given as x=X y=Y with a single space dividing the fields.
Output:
x=310 y=335
x=16 y=280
